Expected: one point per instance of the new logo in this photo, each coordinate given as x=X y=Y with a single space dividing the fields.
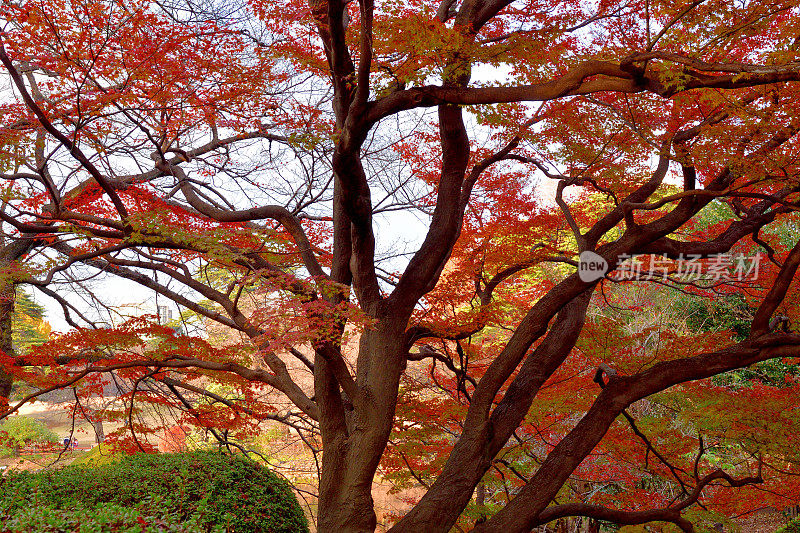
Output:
x=591 y=266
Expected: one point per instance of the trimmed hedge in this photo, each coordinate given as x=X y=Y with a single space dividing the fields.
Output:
x=791 y=527
x=216 y=492
x=104 y=518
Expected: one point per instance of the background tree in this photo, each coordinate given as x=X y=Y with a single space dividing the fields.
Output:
x=19 y=431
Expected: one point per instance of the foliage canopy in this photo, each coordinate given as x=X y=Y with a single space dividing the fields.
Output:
x=376 y=212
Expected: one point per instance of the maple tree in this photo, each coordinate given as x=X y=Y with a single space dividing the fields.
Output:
x=259 y=163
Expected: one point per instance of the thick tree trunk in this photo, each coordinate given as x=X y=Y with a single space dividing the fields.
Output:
x=351 y=454
x=9 y=255
x=7 y=297
x=483 y=438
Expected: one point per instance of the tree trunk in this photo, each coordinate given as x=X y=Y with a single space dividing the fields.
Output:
x=483 y=437
x=9 y=255
x=7 y=297
x=354 y=448
x=99 y=434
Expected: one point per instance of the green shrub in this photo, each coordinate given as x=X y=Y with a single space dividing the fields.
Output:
x=791 y=527
x=18 y=431
x=103 y=518
x=211 y=489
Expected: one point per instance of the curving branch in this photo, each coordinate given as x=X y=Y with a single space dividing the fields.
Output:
x=670 y=514
x=523 y=511
x=589 y=77
x=275 y=212
x=71 y=147
x=776 y=294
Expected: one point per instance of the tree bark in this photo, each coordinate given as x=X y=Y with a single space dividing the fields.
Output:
x=352 y=453
x=483 y=438
x=99 y=433
x=7 y=297
x=10 y=254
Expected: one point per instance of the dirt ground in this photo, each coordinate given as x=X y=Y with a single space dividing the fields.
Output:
x=58 y=418
x=766 y=521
